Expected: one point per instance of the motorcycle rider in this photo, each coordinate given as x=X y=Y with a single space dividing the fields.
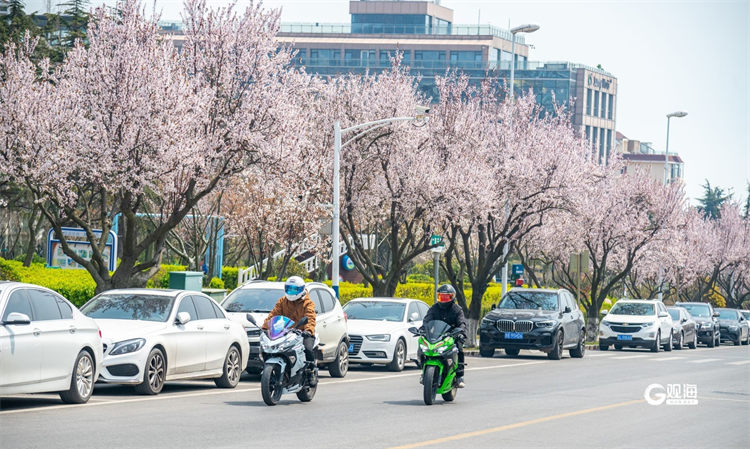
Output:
x=448 y=311
x=295 y=304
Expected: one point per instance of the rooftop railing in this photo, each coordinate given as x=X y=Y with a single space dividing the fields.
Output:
x=373 y=28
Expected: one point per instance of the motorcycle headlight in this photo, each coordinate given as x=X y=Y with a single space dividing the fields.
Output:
x=379 y=337
x=423 y=347
x=442 y=349
x=547 y=323
x=127 y=346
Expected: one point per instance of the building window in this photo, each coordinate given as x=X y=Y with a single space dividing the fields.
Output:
x=589 y=93
x=596 y=103
x=602 y=143
x=325 y=57
x=356 y=58
x=466 y=59
x=611 y=105
x=505 y=60
x=429 y=58
x=609 y=145
x=396 y=24
x=588 y=133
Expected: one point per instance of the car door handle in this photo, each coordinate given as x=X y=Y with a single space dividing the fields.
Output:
x=226 y=327
x=72 y=329
x=37 y=332
x=200 y=328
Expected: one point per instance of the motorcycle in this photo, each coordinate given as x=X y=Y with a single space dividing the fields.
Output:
x=284 y=369
x=438 y=358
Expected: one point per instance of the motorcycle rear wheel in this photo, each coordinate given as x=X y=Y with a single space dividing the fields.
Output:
x=451 y=395
x=270 y=387
x=307 y=394
x=430 y=380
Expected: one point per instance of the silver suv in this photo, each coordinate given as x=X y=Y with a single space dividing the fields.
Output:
x=259 y=297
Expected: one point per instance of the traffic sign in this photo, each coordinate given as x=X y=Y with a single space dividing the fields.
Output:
x=436 y=240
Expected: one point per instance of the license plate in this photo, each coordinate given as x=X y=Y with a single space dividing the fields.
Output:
x=514 y=335
x=351 y=347
x=625 y=337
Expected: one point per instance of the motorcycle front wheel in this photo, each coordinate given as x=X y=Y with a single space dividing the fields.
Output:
x=430 y=382
x=270 y=385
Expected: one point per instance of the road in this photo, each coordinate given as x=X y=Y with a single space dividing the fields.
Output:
x=529 y=401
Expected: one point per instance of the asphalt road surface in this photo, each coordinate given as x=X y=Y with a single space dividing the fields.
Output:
x=528 y=401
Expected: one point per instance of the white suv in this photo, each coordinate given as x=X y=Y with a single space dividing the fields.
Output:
x=259 y=297
x=636 y=322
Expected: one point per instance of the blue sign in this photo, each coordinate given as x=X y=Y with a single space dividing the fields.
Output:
x=347 y=263
x=78 y=242
x=517 y=269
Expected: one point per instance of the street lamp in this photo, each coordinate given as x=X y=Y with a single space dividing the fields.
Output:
x=421 y=112
x=528 y=28
x=678 y=114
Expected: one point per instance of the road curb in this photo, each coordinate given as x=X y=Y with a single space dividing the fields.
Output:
x=475 y=352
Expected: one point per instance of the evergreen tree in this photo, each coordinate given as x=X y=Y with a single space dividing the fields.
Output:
x=713 y=199
x=76 y=20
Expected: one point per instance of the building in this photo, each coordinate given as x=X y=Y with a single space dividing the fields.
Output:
x=639 y=155
x=430 y=43
x=4 y=7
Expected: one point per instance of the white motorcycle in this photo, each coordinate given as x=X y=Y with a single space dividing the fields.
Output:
x=283 y=354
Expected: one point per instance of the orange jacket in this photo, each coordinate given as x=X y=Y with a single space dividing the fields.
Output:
x=295 y=310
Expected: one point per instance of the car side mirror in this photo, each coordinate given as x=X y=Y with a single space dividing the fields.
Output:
x=183 y=318
x=716 y=315
x=301 y=322
x=413 y=330
x=17 y=318
x=604 y=312
x=663 y=314
x=684 y=320
x=250 y=318
x=493 y=306
x=413 y=317
x=567 y=309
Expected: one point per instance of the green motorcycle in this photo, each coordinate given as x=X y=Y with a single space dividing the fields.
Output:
x=438 y=357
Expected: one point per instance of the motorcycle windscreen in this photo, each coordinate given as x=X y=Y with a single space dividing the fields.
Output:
x=435 y=330
x=278 y=326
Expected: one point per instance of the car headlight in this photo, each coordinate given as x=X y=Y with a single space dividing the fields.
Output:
x=127 y=346
x=606 y=323
x=733 y=328
x=707 y=326
x=379 y=337
x=548 y=323
x=647 y=325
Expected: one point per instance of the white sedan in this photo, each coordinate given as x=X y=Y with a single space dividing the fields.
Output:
x=378 y=330
x=46 y=344
x=152 y=336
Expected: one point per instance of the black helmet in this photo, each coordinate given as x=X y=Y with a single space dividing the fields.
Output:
x=446 y=294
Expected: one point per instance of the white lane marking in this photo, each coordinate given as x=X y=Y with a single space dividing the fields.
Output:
x=599 y=354
x=714 y=398
x=626 y=357
x=235 y=390
x=741 y=362
x=704 y=360
x=666 y=359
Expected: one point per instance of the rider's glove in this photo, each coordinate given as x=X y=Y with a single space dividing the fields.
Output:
x=306 y=334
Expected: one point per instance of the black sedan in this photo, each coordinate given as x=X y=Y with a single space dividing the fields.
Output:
x=734 y=326
x=684 y=332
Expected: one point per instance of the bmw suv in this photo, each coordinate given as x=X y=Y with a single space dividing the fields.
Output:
x=544 y=320
x=259 y=297
x=706 y=321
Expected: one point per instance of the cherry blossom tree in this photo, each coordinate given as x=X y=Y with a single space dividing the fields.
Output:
x=511 y=165
x=130 y=127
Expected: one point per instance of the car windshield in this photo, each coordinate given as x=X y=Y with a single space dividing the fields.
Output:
x=633 y=308
x=252 y=300
x=727 y=314
x=675 y=314
x=375 y=310
x=529 y=300
x=746 y=314
x=129 y=307
x=700 y=310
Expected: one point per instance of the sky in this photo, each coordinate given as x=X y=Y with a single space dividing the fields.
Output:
x=667 y=56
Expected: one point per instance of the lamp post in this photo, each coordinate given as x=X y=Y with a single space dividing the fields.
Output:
x=337 y=146
x=678 y=114
x=528 y=28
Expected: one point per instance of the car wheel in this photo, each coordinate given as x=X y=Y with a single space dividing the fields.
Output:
x=486 y=352
x=340 y=365
x=681 y=342
x=712 y=343
x=230 y=376
x=694 y=343
x=580 y=350
x=557 y=350
x=603 y=347
x=399 y=357
x=153 y=375
x=739 y=339
x=81 y=381
x=668 y=346
x=656 y=347
x=512 y=352
x=747 y=339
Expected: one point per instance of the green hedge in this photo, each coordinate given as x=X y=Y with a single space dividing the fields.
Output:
x=76 y=285
x=229 y=276
x=161 y=278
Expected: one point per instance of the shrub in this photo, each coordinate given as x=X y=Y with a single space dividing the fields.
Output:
x=230 y=275
x=216 y=283
x=76 y=285
x=161 y=278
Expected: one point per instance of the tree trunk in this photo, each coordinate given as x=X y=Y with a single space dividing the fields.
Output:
x=34 y=225
x=592 y=323
x=472 y=326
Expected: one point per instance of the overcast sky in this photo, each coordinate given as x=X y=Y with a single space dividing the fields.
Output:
x=667 y=56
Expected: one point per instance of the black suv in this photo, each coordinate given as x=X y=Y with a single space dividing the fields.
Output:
x=733 y=326
x=706 y=322
x=546 y=320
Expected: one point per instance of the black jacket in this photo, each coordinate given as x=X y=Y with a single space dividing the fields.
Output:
x=453 y=315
